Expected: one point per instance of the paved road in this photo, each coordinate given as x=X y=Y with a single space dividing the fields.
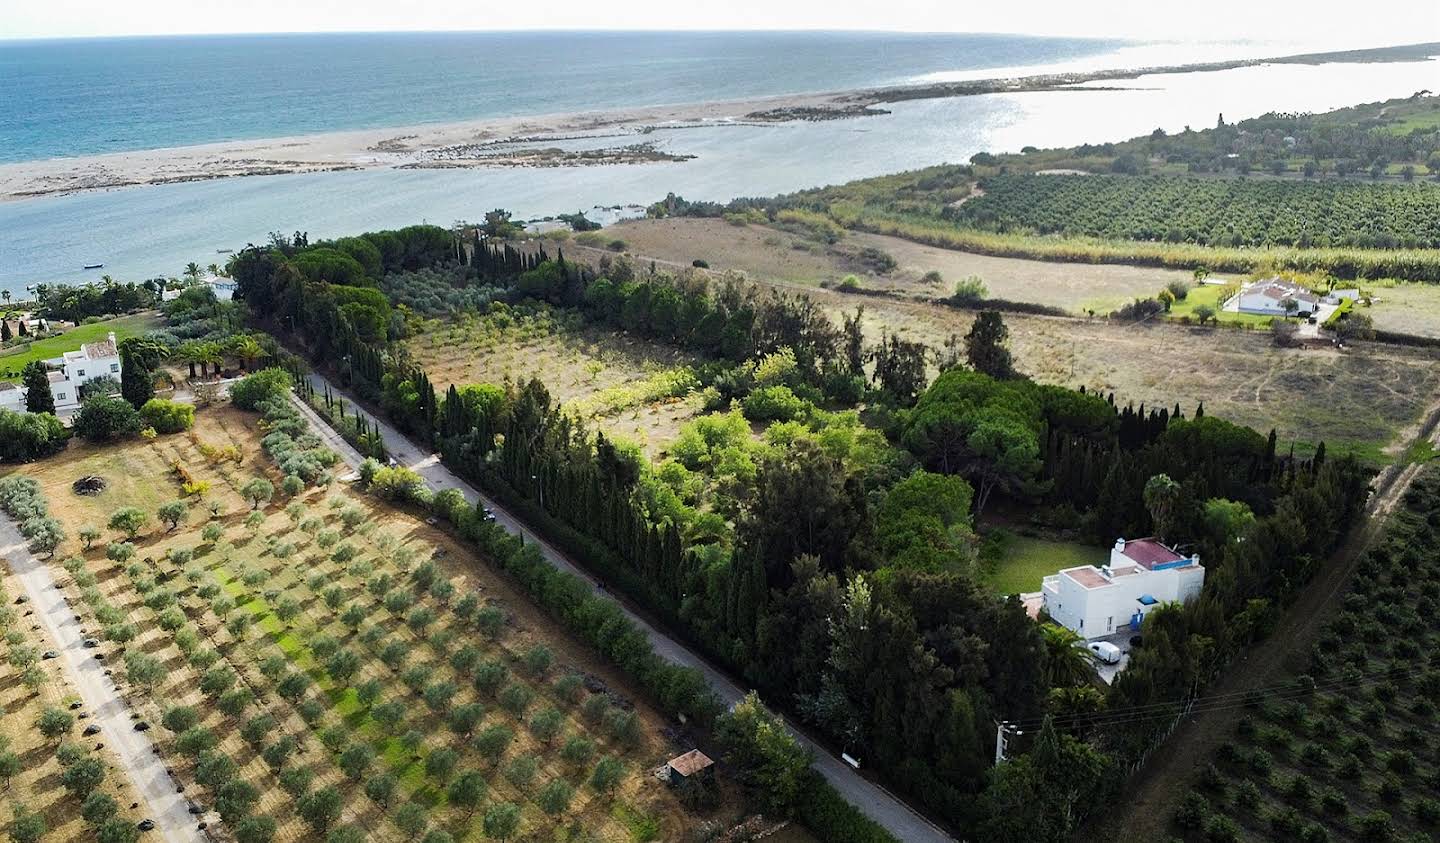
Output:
x=877 y=803
x=107 y=708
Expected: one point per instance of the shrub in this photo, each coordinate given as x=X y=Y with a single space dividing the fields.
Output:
x=167 y=416
x=773 y=403
x=103 y=418
x=252 y=390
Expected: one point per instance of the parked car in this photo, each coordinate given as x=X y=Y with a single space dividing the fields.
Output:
x=142 y=726
x=49 y=654
x=92 y=729
x=145 y=825
x=1105 y=651
x=90 y=642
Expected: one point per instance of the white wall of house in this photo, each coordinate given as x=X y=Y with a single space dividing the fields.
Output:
x=1096 y=602
x=69 y=372
x=1264 y=305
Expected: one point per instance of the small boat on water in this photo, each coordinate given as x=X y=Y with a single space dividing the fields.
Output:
x=224 y=251
x=92 y=266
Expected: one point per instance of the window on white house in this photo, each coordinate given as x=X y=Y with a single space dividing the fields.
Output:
x=1082 y=623
x=114 y=367
x=1110 y=624
x=80 y=373
x=59 y=396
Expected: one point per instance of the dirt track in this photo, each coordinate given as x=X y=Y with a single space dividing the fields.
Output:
x=104 y=702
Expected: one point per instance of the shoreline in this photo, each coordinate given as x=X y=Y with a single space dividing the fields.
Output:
x=533 y=140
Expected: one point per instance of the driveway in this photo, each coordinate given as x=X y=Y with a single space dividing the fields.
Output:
x=106 y=707
x=874 y=800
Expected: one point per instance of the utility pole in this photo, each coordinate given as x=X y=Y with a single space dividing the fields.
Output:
x=1002 y=732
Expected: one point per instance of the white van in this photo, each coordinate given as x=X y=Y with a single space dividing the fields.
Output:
x=1105 y=651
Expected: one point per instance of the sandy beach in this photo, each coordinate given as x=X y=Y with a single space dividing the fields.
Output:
x=504 y=142
x=531 y=141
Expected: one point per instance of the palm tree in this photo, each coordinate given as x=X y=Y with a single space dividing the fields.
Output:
x=192 y=271
x=1065 y=663
x=246 y=350
x=214 y=270
x=190 y=353
x=210 y=355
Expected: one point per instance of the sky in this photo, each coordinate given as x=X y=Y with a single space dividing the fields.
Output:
x=1321 y=23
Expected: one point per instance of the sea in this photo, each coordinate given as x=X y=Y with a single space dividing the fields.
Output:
x=66 y=98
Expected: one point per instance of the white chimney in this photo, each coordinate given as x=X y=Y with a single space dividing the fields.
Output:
x=112 y=337
x=1120 y=545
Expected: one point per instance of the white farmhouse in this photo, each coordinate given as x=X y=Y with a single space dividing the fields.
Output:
x=1142 y=574
x=69 y=372
x=1268 y=297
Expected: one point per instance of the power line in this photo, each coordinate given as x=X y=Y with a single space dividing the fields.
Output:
x=1215 y=702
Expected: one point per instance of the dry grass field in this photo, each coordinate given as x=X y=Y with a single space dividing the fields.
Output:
x=1367 y=400
x=261 y=606
x=771 y=254
x=37 y=787
x=622 y=385
x=766 y=253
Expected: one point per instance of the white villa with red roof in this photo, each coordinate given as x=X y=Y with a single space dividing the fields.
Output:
x=69 y=372
x=1142 y=574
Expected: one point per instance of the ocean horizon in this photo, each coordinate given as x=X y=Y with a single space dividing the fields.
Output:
x=77 y=97
x=143 y=231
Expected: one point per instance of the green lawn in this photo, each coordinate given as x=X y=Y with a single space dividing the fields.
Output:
x=1211 y=295
x=1028 y=560
x=13 y=361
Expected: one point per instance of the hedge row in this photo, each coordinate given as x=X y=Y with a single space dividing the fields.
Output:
x=826 y=813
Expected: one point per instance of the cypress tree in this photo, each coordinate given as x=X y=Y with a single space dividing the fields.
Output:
x=38 y=397
x=137 y=382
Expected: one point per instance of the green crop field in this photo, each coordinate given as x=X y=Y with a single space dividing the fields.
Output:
x=1218 y=212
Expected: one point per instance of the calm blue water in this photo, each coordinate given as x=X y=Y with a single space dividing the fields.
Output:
x=81 y=97
x=144 y=231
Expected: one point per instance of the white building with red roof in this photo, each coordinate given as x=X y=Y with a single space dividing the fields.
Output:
x=1143 y=573
x=69 y=372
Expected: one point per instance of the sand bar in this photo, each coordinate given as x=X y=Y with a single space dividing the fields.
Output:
x=531 y=141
